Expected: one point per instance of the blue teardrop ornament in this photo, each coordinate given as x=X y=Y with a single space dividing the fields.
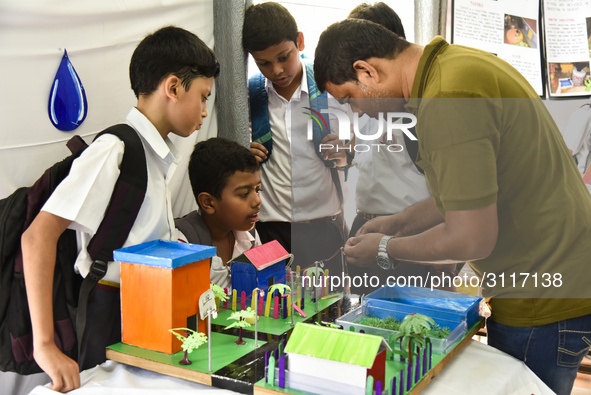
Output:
x=67 y=99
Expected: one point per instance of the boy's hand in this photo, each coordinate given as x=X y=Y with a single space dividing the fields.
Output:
x=259 y=151
x=334 y=149
x=63 y=371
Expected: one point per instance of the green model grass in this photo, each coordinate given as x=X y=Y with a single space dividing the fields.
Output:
x=393 y=324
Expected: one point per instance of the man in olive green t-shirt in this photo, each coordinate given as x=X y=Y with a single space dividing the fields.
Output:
x=507 y=196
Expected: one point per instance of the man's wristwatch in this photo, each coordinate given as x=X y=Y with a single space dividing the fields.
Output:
x=383 y=258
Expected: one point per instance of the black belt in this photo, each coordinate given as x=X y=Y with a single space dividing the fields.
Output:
x=330 y=218
x=368 y=216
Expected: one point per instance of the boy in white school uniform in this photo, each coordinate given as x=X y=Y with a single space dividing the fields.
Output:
x=302 y=195
x=172 y=73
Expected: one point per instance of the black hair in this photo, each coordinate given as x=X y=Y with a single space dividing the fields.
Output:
x=345 y=42
x=170 y=50
x=380 y=13
x=267 y=24
x=214 y=161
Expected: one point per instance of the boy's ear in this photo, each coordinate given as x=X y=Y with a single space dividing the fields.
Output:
x=300 y=41
x=366 y=72
x=206 y=202
x=172 y=85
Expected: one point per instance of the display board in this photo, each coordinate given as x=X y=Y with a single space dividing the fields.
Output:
x=547 y=41
x=567 y=27
x=506 y=28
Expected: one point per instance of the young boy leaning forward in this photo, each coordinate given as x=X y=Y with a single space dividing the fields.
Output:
x=302 y=193
x=226 y=183
x=172 y=73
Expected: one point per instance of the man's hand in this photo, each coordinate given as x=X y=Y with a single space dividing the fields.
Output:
x=330 y=151
x=259 y=151
x=388 y=225
x=363 y=250
x=63 y=371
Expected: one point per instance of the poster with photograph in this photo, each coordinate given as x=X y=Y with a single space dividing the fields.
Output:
x=507 y=28
x=567 y=28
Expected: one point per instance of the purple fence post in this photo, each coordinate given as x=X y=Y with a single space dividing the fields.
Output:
x=282 y=371
x=379 y=388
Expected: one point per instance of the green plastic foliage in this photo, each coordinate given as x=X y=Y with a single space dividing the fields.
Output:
x=191 y=342
x=240 y=317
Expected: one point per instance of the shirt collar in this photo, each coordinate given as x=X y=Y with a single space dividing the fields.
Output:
x=162 y=147
x=430 y=52
x=298 y=92
x=244 y=240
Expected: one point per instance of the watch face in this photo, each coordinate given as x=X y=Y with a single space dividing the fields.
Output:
x=384 y=262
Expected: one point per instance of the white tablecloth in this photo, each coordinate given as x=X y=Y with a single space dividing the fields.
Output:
x=477 y=369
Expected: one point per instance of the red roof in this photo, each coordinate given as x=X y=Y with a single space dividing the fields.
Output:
x=266 y=254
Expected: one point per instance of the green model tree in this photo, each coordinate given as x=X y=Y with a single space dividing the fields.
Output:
x=190 y=342
x=218 y=292
x=413 y=330
x=282 y=288
x=240 y=322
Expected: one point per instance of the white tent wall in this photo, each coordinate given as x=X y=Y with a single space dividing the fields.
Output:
x=100 y=37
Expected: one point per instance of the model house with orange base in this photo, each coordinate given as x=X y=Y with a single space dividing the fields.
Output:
x=161 y=282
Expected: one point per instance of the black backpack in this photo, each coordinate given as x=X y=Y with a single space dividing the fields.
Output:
x=70 y=291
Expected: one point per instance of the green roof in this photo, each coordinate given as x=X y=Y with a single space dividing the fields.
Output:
x=334 y=344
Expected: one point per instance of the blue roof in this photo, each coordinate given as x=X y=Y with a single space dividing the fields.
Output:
x=165 y=254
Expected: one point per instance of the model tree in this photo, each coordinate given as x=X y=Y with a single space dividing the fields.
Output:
x=218 y=292
x=281 y=288
x=240 y=322
x=413 y=330
x=191 y=342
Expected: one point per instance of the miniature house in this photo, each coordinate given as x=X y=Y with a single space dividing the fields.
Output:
x=259 y=267
x=161 y=282
x=325 y=360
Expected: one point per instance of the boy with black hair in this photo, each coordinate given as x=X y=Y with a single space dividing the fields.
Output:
x=380 y=13
x=302 y=192
x=172 y=73
x=226 y=183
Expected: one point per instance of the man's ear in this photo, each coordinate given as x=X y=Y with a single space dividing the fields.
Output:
x=366 y=72
x=300 y=41
x=172 y=85
x=206 y=202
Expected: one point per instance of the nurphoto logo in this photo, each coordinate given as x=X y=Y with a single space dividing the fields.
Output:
x=391 y=120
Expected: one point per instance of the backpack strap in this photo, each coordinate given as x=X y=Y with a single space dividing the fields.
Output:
x=194 y=228
x=261 y=128
x=412 y=148
x=124 y=206
x=259 y=113
x=319 y=101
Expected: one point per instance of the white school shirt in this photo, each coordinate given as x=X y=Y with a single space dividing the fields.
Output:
x=296 y=186
x=219 y=274
x=389 y=182
x=83 y=196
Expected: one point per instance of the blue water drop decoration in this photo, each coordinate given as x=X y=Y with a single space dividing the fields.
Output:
x=67 y=99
